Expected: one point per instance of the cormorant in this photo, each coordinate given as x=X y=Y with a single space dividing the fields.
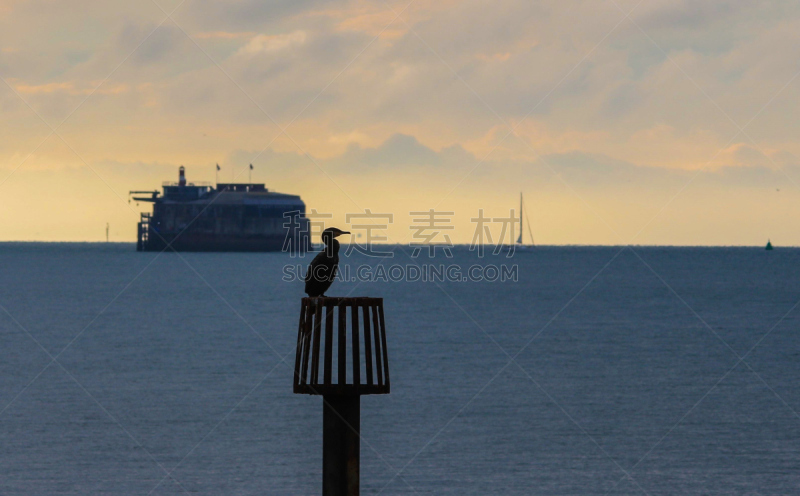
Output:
x=322 y=270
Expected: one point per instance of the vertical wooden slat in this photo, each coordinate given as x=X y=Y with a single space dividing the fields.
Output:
x=311 y=377
x=383 y=342
x=299 y=349
x=356 y=348
x=315 y=352
x=367 y=344
x=306 y=342
x=342 y=343
x=377 y=331
x=328 y=343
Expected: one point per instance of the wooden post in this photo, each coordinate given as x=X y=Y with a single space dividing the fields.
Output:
x=341 y=410
x=341 y=445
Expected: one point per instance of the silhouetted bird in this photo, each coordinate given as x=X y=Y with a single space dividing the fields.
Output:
x=322 y=270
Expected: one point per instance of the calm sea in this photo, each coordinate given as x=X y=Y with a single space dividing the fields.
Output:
x=599 y=371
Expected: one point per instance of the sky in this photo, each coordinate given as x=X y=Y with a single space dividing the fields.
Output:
x=665 y=122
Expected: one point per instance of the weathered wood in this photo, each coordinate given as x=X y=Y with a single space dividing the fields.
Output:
x=378 y=347
x=367 y=346
x=342 y=344
x=313 y=377
x=299 y=347
x=306 y=343
x=356 y=348
x=341 y=445
x=385 y=349
x=315 y=354
x=328 y=343
x=341 y=411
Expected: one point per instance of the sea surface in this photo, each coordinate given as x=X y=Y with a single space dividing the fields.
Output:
x=600 y=370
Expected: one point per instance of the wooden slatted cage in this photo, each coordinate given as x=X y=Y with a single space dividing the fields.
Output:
x=341 y=347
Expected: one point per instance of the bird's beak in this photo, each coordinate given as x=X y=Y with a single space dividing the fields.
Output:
x=340 y=233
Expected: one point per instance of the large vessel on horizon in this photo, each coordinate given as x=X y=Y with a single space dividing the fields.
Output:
x=228 y=217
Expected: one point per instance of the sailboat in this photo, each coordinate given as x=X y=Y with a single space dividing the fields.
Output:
x=520 y=244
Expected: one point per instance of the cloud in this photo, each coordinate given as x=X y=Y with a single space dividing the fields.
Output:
x=398 y=150
x=374 y=24
x=273 y=43
x=744 y=155
x=224 y=35
x=158 y=45
x=71 y=88
x=252 y=15
x=405 y=153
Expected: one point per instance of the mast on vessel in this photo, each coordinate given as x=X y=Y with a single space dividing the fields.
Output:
x=519 y=240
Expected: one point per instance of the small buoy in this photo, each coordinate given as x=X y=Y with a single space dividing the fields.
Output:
x=769 y=245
